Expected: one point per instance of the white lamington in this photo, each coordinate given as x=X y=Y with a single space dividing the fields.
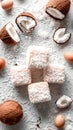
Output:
x=20 y=75
x=36 y=75
x=54 y=74
x=39 y=92
x=37 y=57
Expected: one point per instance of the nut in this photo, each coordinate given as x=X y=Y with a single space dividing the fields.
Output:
x=59 y=121
x=58 y=9
x=7 y=4
x=2 y=63
x=64 y=102
x=60 y=36
x=9 y=35
x=69 y=56
x=10 y=112
x=26 y=22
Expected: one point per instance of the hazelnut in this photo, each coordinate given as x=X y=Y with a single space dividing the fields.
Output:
x=2 y=63
x=7 y=4
x=59 y=121
x=69 y=56
x=10 y=112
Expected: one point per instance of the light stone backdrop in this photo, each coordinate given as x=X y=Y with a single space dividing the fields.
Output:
x=40 y=116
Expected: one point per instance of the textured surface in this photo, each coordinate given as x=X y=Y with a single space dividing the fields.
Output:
x=20 y=75
x=54 y=74
x=41 y=114
x=39 y=92
x=37 y=57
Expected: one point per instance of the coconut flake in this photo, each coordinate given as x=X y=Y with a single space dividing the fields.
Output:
x=60 y=36
x=69 y=127
x=64 y=102
x=43 y=34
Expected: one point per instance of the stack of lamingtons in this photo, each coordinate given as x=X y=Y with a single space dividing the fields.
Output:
x=37 y=74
